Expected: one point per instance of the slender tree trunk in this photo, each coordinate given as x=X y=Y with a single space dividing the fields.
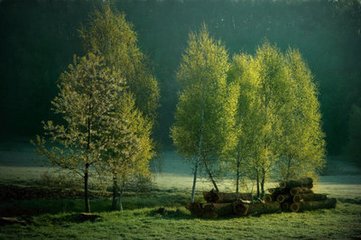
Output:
x=86 y=190
x=195 y=179
x=210 y=176
x=288 y=168
x=238 y=172
x=263 y=181
x=86 y=170
x=115 y=198
x=257 y=180
x=121 y=196
x=196 y=165
x=120 y=203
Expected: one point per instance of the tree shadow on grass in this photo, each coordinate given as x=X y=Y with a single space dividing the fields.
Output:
x=175 y=214
x=76 y=218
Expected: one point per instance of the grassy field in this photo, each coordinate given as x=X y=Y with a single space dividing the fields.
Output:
x=55 y=218
x=340 y=223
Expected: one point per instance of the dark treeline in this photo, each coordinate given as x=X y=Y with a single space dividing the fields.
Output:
x=38 y=39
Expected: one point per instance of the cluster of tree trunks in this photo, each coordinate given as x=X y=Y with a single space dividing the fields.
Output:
x=297 y=196
x=237 y=208
x=303 y=183
x=220 y=197
x=313 y=205
x=219 y=204
x=293 y=195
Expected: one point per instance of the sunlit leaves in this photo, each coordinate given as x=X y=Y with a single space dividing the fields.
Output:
x=88 y=98
x=278 y=114
x=303 y=145
x=129 y=147
x=110 y=35
x=204 y=114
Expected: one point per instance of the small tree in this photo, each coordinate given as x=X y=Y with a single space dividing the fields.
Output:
x=203 y=115
x=129 y=147
x=87 y=98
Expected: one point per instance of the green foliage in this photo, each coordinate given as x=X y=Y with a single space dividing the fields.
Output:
x=278 y=117
x=263 y=84
x=303 y=141
x=242 y=77
x=33 y=56
x=203 y=116
x=88 y=103
x=87 y=98
x=129 y=147
x=103 y=125
x=110 y=35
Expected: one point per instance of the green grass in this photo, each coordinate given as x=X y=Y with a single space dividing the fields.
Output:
x=52 y=218
x=340 y=223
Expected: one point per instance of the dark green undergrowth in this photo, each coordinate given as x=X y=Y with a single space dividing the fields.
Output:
x=177 y=223
x=158 y=198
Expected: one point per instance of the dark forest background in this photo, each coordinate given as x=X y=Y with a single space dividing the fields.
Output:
x=38 y=39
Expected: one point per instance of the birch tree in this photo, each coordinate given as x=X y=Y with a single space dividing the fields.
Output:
x=278 y=116
x=129 y=147
x=274 y=91
x=88 y=96
x=303 y=141
x=204 y=115
x=243 y=77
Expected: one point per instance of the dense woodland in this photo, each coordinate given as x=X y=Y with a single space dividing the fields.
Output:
x=38 y=40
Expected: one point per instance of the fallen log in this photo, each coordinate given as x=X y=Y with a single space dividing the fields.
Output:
x=285 y=207
x=213 y=210
x=303 y=182
x=283 y=197
x=220 y=197
x=268 y=198
x=295 y=207
x=240 y=208
x=276 y=191
x=309 y=197
x=196 y=209
x=314 y=205
x=257 y=209
x=300 y=190
x=209 y=211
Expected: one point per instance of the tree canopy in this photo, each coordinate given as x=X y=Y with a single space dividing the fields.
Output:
x=278 y=117
x=109 y=34
x=88 y=98
x=203 y=116
x=129 y=147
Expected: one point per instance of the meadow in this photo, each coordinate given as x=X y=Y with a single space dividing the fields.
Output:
x=161 y=213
